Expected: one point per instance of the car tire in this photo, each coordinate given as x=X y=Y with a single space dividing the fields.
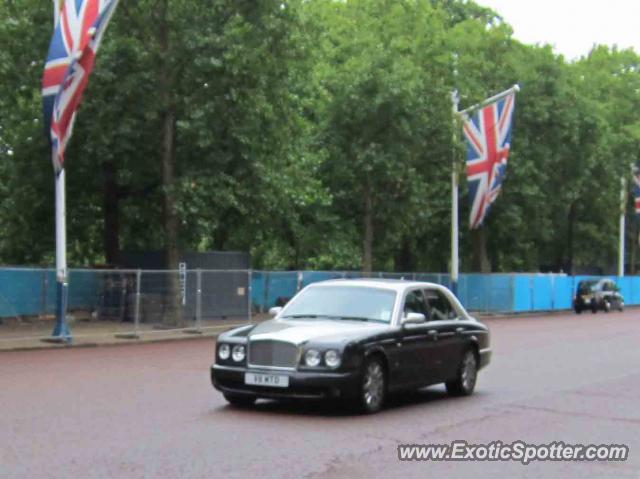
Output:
x=578 y=310
x=466 y=376
x=621 y=306
x=594 y=308
x=606 y=305
x=373 y=386
x=240 y=400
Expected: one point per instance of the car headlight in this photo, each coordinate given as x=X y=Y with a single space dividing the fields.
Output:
x=224 y=351
x=312 y=357
x=332 y=358
x=238 y=353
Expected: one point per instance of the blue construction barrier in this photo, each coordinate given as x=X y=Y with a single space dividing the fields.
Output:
x=26 y=292
x=30 y=292
x=492 y=293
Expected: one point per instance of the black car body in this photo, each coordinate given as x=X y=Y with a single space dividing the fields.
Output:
x=596 y=295
x=354 y=339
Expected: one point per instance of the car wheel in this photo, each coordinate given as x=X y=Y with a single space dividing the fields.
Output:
x=240 y=400
x=621 y=306
x=373 y=388
x=594 y=308
x=578 y=310
x=465 y=381
x=606 y=305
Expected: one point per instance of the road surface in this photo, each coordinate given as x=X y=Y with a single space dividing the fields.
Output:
x=149 y=411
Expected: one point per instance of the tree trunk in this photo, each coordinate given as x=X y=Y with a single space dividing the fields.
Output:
x=111 y=213
x=480 y=259
x=570 y=222
x=172 y=314
x=404 y=258
x=367 y=244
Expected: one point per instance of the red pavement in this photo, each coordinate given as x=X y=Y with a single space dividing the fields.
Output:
x=149 y=411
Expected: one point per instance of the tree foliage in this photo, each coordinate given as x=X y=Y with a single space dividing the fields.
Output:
x=315 y=135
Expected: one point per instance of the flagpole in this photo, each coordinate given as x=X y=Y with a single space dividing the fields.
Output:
x=455 y=99
x=56 y=12
x=61 y=329
x=514 y=89
x=623 y=197
x=61 y=332
x=62 y=95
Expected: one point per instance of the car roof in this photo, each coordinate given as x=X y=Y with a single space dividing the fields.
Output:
x=397 y=285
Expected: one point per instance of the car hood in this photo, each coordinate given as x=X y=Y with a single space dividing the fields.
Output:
x=301 y=331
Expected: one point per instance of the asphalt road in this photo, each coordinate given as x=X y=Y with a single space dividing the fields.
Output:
x=149 y=411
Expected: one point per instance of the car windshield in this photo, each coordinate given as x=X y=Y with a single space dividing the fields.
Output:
x=586 y=287
x=343 y=302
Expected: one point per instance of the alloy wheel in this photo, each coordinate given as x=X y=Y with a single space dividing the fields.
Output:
x=469 y=371
x=373 y=387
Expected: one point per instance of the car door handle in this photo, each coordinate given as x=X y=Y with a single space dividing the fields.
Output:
x=433 y=333
x=459 y=330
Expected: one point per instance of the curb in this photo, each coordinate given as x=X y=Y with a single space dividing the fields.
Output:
x=122 y=342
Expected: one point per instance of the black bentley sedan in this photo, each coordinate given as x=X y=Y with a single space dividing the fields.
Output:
x=357 y=340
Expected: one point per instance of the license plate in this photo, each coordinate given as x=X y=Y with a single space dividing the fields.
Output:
x=271 y=380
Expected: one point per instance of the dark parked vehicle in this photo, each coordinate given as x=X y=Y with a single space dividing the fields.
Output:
x=597 y=295
x=357 y=340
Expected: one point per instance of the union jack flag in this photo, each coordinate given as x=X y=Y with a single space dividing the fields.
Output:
x=488 y=135
x=79 y=27
x=636 y=187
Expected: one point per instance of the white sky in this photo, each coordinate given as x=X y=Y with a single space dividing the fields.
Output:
x=572 y=26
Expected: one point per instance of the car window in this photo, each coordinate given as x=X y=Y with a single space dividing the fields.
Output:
x=414 y=303
x=586 y=287
x=348 y=302
x=438 y=306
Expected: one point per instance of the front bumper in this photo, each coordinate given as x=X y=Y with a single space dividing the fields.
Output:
x=302 y=384
x=485 y=357
x=584 y=301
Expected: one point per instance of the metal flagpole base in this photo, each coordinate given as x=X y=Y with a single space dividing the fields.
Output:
x=61 y=332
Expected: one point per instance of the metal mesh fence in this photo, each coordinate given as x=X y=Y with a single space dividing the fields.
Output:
x=123 y=303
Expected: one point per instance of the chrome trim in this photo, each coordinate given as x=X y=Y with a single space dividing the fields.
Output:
x=273 y=368
x=484 y=351
x=247 y=369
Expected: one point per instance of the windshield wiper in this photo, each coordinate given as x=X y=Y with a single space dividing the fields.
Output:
x=329 y=316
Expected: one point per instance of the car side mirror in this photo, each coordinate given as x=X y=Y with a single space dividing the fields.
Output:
x=414 y=318
x=275 y=311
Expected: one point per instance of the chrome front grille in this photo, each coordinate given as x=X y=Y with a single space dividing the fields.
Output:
x=273 y=354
